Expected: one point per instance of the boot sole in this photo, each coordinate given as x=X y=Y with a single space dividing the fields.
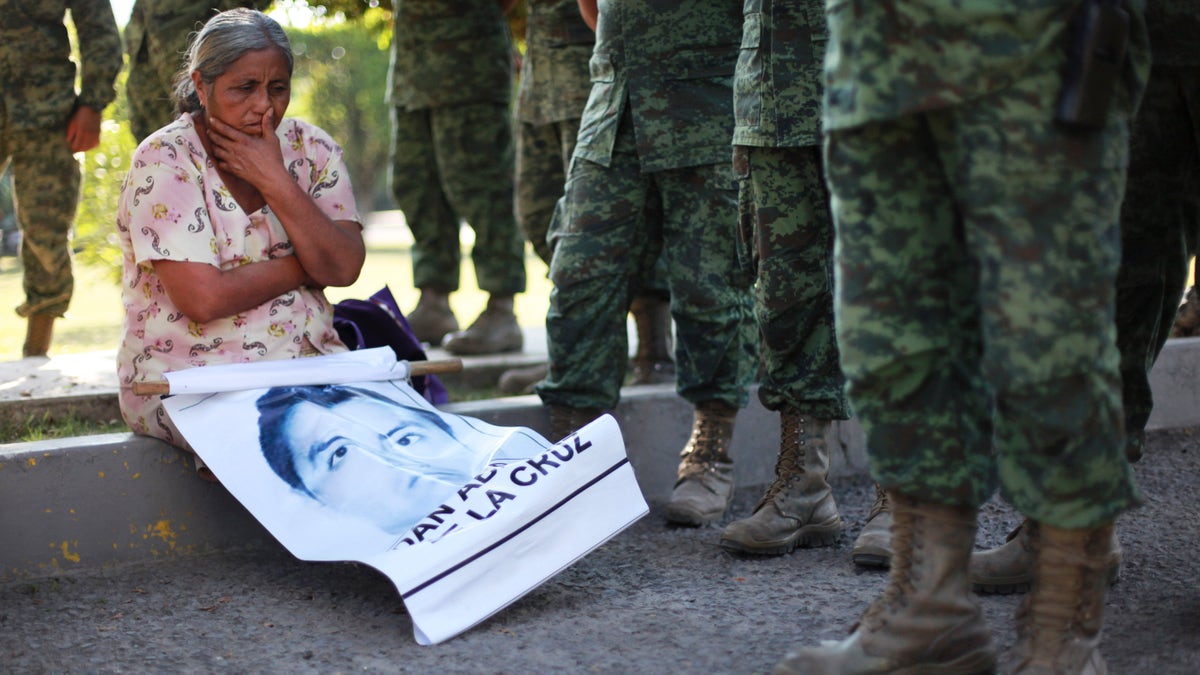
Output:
x=691 y=518
x=877 y=560
x=805 y=538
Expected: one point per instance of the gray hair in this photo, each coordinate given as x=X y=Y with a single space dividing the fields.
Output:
x=222 y=41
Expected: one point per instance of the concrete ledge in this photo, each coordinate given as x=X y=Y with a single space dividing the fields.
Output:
x=1175 y=382
x=98 y=501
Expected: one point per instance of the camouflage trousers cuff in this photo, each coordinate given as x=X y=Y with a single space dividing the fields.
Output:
x=56 y=307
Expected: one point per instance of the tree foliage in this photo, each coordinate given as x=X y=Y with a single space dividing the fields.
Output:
x=341 y=86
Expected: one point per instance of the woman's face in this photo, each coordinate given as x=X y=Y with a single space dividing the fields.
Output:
x=257 y=82
x=386 y=463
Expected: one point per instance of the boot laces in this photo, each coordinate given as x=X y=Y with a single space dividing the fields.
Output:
x=790 y=464
x=900 y=578
x=709 y=443
x=881 y=503
x=1056 y=608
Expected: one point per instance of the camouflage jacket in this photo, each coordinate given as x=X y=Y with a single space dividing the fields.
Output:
x=37 y=75
x=172 y=22
x=671 y=62
x=446 y=52
x=777 y=85
x=1174 y=27
x=554 y=75
x=892 y=58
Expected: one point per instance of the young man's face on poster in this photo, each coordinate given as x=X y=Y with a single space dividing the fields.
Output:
x=388 y=463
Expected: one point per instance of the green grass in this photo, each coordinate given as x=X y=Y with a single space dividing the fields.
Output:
x=93 y=322
x=44 y=427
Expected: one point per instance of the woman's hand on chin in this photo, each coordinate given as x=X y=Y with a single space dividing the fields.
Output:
x=255 y=158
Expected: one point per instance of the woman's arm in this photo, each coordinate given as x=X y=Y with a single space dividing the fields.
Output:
x=205 y=293
x=332 y=252
x=589 y=11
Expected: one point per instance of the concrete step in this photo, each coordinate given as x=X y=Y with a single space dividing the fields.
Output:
x=99 y=501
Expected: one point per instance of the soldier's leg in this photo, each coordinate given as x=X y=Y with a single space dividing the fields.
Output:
x=794 y=290
x=601 y=237
x=46 y=180
x=711 y=301
x=908 y=331
x=786 y=219
x=907 y=322
x=416 y=187
x=1041 y=221
x=653 y=358
x=1041 y=209
x=716 y=345
x=148 y=91
x=543 y=154
x=475 y=160
x=1159 y=217
x=436 y=251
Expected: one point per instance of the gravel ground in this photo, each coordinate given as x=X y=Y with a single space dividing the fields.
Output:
x=655 y=599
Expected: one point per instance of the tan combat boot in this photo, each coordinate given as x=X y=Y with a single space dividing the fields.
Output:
x=927 y=620
x=873 y=547
x=705 y=484
x=1059 y=622
x=494 y=332
x=565 y=420
x=432 y=318
x=1008 y=568
x=522 y=380
x=798 y=509
x=652 y=362
x=38 y=332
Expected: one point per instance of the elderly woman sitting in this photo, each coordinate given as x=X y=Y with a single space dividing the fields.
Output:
x=232 y=220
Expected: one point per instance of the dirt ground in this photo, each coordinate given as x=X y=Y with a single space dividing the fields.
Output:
x=655 y=599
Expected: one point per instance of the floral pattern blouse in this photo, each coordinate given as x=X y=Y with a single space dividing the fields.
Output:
x=174 y=206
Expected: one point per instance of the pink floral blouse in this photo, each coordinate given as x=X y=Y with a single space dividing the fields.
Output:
x=174 y=206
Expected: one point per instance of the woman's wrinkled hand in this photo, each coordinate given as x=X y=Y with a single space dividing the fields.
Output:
x=256 y=159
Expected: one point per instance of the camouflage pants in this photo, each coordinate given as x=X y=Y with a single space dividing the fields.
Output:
x=148 y=90
x=543 y=155
x=787 y=229
x=451 y=164
x=46 y=180
x=1160 y=218
x=614 y=223
x=977 y=252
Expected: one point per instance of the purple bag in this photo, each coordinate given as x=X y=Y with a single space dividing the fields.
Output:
x=378 y=322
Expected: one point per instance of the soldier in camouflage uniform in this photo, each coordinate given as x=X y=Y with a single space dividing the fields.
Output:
x=43 y=122
x=452 y=160
x=156 y=39
x=787 y=230
x=1160 y=223
x=553 y=90
x=977 y=250
x=651 y=174
x=550 y=98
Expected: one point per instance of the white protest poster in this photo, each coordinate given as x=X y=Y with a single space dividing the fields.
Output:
x=463 y=516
